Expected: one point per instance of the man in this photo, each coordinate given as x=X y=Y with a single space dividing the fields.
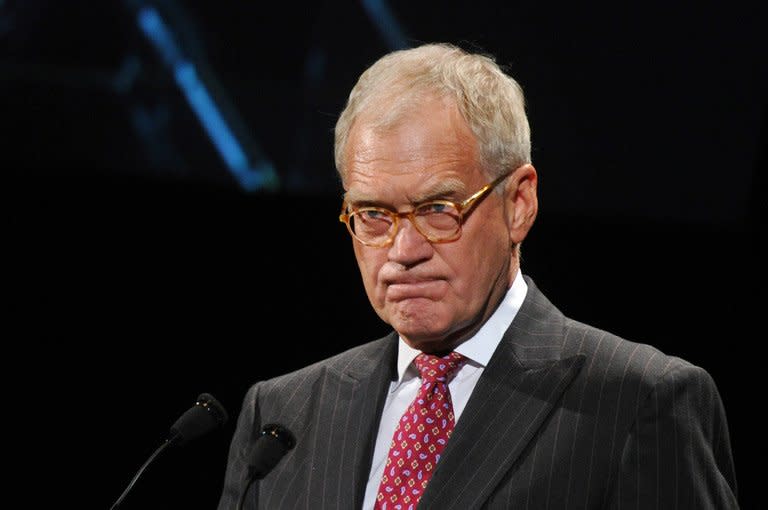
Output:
x=518 y=406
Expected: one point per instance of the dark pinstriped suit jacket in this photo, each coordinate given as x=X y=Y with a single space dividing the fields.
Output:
x=565 y=416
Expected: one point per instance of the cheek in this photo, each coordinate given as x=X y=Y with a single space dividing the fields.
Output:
x=369 y=263
x=482 y=258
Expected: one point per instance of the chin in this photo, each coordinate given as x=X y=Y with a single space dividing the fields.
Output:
x=420 y=321
x=430 y=345
x=425 y=337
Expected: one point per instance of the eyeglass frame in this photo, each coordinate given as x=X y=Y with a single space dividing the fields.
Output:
x=463 y=208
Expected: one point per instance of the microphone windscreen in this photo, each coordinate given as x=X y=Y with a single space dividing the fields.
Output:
x=205 y=416
x=274 y=443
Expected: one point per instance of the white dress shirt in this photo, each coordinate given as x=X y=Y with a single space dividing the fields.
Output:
x=478 y=351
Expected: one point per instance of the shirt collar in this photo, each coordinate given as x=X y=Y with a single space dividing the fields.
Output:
x=480 y=347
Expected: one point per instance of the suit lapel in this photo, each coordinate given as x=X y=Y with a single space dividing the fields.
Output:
x=516 y=393
x=360 y=389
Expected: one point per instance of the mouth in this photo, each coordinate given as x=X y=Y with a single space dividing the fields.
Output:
x=402 y=290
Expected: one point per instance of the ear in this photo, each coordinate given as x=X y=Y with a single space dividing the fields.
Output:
x=522 y=202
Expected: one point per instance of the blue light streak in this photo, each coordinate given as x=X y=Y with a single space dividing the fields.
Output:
x=387 y=23
x=203 y=105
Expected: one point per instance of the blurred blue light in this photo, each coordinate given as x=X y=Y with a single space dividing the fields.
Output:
x=385 y=21
x=203 y=105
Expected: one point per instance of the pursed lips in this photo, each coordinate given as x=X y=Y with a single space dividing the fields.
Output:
x=408 y=288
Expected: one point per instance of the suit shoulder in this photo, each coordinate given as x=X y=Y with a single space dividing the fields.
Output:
x=613 y=356
x=285 y=397
x=337 y=363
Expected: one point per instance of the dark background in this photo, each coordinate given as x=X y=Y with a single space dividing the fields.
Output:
x=141 y=272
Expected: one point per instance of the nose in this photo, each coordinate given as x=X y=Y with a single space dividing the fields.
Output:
x=409 y=246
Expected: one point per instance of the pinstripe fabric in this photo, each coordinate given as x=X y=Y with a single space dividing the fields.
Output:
x=565 y=416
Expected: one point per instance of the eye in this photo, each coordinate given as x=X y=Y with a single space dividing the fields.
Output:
x=436 y=208
x=372 y=214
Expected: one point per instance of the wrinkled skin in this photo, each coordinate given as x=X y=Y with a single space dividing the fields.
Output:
x=436 y=295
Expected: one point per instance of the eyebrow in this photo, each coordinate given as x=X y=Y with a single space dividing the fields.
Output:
x=450 y=187
x=447 y=188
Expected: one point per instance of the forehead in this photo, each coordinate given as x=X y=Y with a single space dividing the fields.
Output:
x=394 y=190
x=429 y=151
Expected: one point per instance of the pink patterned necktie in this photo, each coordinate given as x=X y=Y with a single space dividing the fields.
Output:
x=420 y=435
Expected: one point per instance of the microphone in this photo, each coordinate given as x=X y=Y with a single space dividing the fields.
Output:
x=205 y=416
x=271 y=446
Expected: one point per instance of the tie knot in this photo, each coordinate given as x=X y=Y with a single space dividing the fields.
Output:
x=436 y=368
